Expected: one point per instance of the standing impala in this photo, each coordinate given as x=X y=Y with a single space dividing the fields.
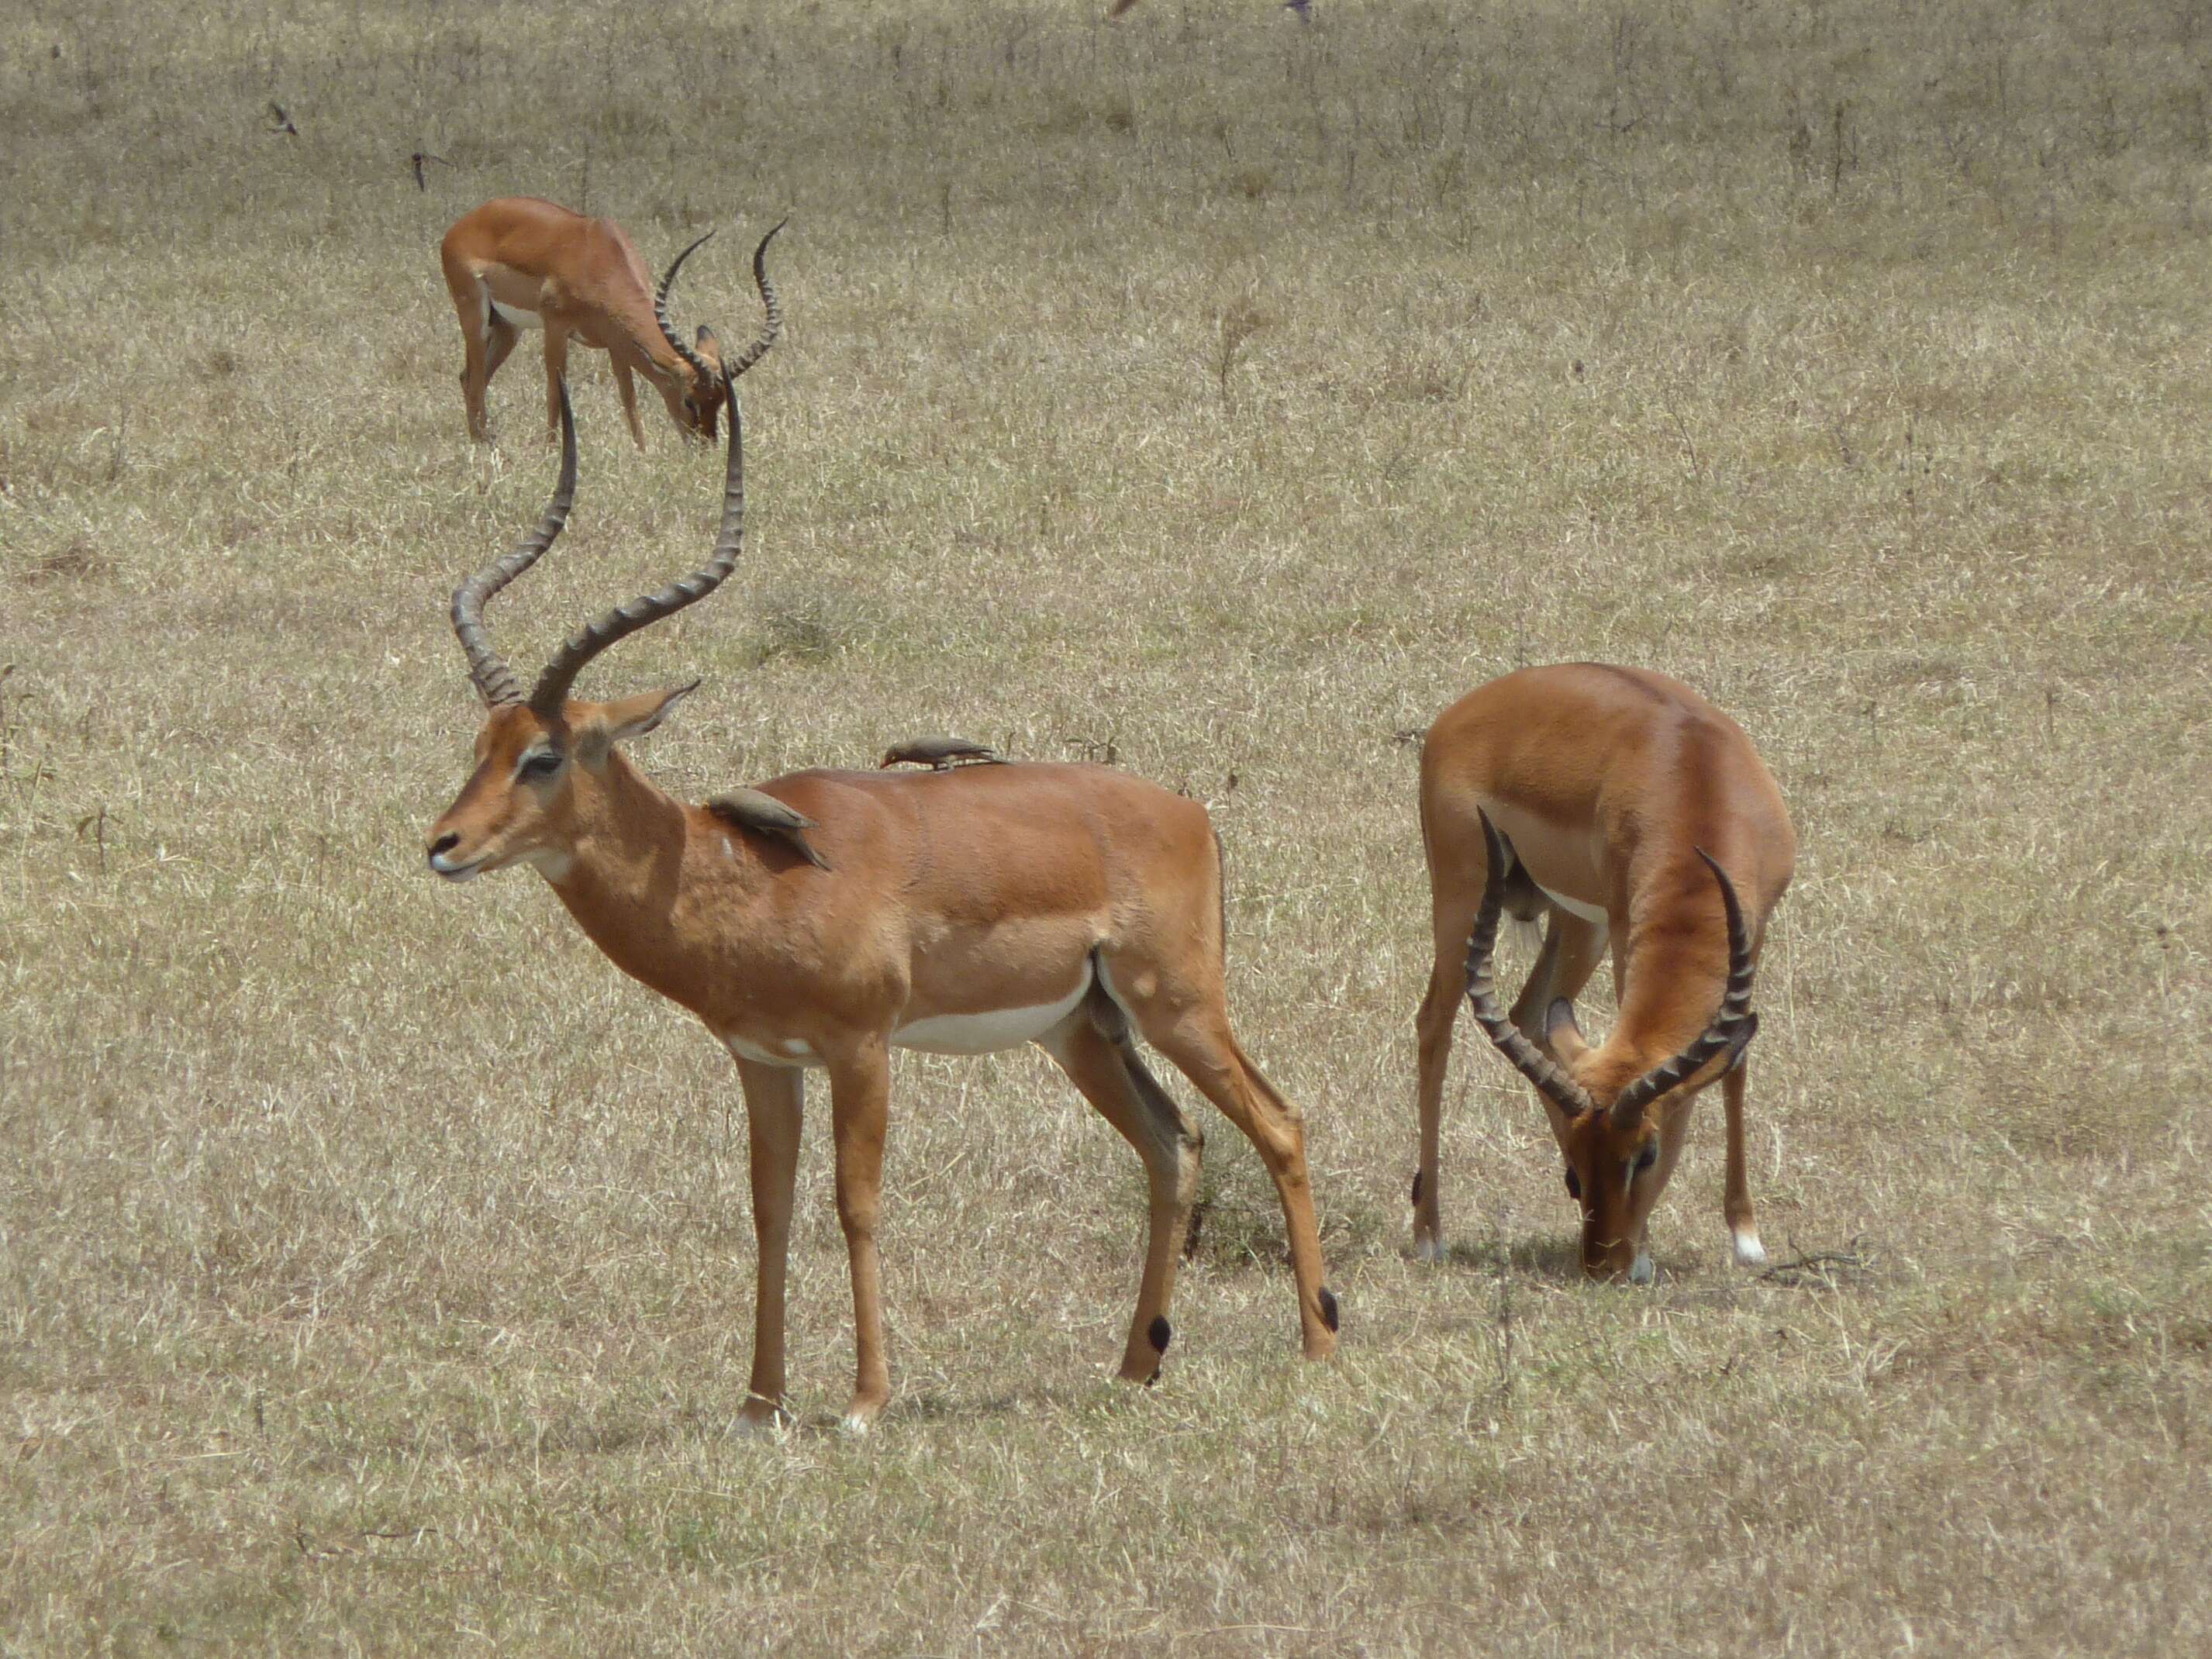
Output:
x=519 y=262
x=829 y=917
x=1638 y=818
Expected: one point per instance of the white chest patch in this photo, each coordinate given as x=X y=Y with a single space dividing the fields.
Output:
x=986 y=1033
x=1573 y=907
x=793 y=1052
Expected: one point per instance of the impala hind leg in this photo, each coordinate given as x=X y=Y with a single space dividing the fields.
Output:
x=1093 y=1048
x=859 y=1102
x=775 y=1100
x=1735 y=1201
x=1194 y=1034
x=1433 y=1029
x=1573 y=950
x=486 y=338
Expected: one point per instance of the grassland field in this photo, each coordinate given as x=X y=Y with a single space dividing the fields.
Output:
x=1229 y=394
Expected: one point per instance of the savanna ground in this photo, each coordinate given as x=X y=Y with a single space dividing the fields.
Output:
x=375 y=1264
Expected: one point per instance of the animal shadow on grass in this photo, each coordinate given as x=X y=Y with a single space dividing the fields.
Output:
x=1554 y=1257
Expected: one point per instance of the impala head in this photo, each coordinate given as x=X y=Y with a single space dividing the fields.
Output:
x=541 y=759
x=1607 y=1112
x=695 y=395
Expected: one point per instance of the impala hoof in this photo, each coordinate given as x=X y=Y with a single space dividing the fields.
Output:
x=1749 y=1252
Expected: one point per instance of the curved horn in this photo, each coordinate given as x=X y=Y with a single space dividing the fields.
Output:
x=619 y=623
x=493 y=677
x=1732 y=1026
x=1532 y=1062
x=660 y=311
x=758 y=350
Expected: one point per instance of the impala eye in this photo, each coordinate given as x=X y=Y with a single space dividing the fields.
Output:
x=540 y=765
x=1574 y=1184
x=1646 y=1159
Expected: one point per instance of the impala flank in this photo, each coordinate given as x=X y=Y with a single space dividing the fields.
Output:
x=518 y=263
x=829 y=917
x=1636 y=819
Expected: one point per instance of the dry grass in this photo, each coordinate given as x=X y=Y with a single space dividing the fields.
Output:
x=374 y=1262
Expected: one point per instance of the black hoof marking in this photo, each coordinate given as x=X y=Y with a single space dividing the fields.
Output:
x=1160 y=1334
x=1329 y=1308
x=1417 y=1186
x=1153 y=1378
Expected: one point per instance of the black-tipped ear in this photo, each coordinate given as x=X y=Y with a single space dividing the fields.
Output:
x=633 y=717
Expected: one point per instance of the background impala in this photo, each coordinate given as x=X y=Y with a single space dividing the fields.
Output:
x=519 y=262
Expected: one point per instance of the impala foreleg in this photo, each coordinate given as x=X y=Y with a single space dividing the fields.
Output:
x=628 y=387
x=859 y=1102
x=1735 y=1202
x=774 y=1099
x=1099 y=1060
x=1198 y=1041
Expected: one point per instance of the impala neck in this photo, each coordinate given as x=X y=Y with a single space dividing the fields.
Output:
x=624 y=877
x=652 y=355
x=1674 y=967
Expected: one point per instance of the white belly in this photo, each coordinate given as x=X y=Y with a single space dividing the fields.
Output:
x=515 y=292
x=984 y=1033
x=1572 y=907
x=942 y=1034
x=1521 y=828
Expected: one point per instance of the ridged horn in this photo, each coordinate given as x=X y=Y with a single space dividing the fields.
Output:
x=1532 y=1062
x=625 y=620
x=699 y=366
x=494 y=679
x=1732 y=1026
x=758 y=350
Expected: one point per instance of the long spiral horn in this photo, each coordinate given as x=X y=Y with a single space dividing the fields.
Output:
x=758 y=350
x=619 y=623
x=699 y=365
x=1532 y=1062
x=494 y=679
x=1732 y=1026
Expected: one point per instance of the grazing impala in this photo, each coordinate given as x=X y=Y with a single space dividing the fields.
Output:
x=519 y=262
x=829 y=917
x=1638 y=819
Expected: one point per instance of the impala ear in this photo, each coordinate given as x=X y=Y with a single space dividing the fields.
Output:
x=633 y=717
x=709 y=345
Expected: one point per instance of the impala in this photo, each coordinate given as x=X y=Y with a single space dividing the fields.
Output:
x=1635 y=818
x=829 y=917
x=519 y=262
